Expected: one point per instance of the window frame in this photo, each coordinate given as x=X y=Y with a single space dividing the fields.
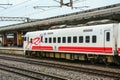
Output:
x=107 y=36
x=50 y=40
x=94 y=39
x=74 y=39
x=59 y=39
x=69 y=40
x=63 y=39
x=87 y=39
x=46 y=40
x=81 y=39
x=54 y=40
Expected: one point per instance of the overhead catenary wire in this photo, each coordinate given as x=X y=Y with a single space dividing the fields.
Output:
x=38 y=11
x=15 y=6
x=27 y=6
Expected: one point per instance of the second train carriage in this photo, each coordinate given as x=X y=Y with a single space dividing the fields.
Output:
x=95 y=43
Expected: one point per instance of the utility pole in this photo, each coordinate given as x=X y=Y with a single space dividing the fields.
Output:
x=61 y=3
x=69 y=4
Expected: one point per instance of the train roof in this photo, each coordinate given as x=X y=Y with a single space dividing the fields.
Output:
x=71 y=28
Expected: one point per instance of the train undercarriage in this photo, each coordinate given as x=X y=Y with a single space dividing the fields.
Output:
x=74 y=56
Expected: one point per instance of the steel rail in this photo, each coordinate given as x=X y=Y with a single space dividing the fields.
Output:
x=98 y=72
x=29 y=73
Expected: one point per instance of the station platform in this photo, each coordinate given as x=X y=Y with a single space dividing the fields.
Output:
x=12 y=50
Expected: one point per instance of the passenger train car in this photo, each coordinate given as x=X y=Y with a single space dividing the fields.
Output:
x=96 y=43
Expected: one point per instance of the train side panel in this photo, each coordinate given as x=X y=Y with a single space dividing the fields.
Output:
x=31 y=39
x=118 y=40
x=94 y=40
x=97 y=39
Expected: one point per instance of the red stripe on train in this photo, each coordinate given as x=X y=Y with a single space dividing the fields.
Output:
x=118 y=50
x=86 y=49
x=42 y=48
x=76 y=49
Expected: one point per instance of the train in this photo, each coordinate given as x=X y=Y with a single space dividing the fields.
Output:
x=94 y=43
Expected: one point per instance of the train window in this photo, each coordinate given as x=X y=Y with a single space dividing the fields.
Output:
x=94 y=39
x=74 y=39
x=50 y=40
x=69 y=39
x=59 y=40
x=64 y=39
x=54 y=40
x=24 y=38
x=27 y=38
x=31 y=40
x=87 y=40
x=108 y=36
x=45 y=40
x=41 y=38
x=80 y=39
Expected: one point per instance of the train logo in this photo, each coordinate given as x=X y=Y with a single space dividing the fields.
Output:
x=34 y=41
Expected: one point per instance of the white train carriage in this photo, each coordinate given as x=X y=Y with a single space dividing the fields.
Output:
x=97 y=42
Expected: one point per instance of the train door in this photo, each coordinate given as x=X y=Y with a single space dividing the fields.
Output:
x=41 y=41
x=25 y=42
x=28 y=44
x=107 y=41
x=118 y=40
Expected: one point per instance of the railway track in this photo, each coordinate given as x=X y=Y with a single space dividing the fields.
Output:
x=98 y=72
x=30 y=74
x=27 y=73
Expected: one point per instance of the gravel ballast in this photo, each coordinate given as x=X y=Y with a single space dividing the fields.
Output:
x=71 y=75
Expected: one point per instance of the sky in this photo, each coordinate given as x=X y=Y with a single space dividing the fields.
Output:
x=24 y=8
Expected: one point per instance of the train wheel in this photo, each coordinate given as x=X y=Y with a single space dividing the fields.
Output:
x=93 y=61
x=105 y=61
x=116 y=60
x=28 y=54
